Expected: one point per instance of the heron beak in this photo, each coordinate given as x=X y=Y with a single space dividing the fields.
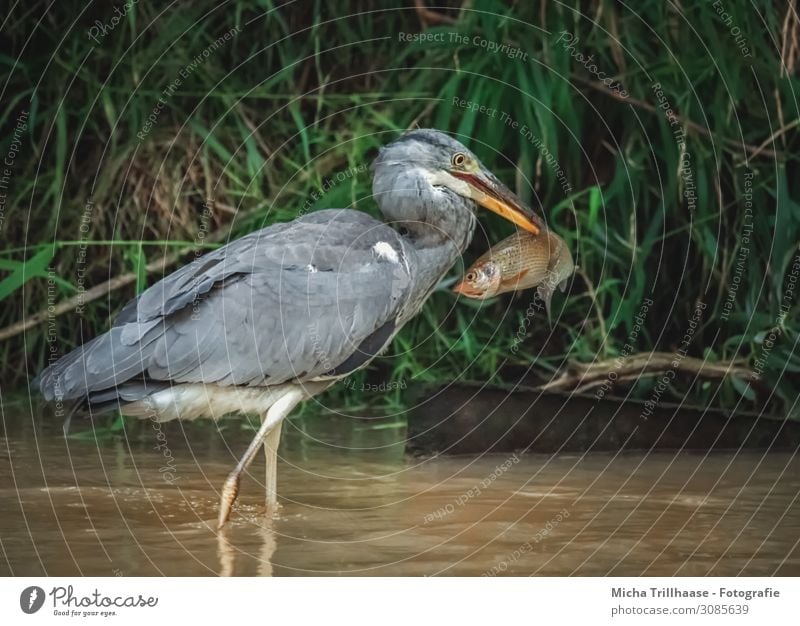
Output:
x=491 y=194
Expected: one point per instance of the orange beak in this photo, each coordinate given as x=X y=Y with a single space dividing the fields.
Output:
x=491 y=194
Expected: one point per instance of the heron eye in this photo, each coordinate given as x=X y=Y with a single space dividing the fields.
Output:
x=459 y=158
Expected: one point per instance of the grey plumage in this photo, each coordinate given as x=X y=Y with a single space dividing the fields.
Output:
x=275 y=317
x=288 y=302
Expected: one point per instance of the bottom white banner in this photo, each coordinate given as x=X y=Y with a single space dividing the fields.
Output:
x=397 y=600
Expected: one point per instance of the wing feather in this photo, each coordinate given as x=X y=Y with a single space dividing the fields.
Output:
x=291 y=301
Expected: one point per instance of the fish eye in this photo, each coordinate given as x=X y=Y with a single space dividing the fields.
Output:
x=459 y=158
x=471 y=276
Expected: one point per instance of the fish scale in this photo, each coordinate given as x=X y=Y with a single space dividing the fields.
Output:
x=519 y=262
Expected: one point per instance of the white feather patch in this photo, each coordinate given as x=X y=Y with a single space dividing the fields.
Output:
x=385 y=251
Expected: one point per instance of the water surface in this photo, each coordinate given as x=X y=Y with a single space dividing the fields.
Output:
x=354 y=504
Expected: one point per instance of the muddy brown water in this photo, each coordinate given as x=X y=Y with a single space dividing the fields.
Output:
x=353 y=503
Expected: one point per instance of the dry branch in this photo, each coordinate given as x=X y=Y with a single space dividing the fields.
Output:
x=429 y=17
x=580 y=377
x=98 y=291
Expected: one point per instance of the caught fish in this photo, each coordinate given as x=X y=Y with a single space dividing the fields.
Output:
x=520 y=262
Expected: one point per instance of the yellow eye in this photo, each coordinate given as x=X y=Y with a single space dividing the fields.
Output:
x=459 y=158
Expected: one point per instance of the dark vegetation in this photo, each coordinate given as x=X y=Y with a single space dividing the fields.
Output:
x=676 y=182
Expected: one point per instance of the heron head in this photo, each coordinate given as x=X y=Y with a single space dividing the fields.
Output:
x=428 y=176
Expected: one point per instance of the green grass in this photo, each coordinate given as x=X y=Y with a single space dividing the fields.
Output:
x=301 y=95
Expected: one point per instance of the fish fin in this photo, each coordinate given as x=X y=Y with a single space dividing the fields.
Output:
x=514 y=279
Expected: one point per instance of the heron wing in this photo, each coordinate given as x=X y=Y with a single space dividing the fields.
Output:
x=289 y=302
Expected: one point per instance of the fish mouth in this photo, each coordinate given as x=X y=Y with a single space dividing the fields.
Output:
x=464 y=289
x=491 y=194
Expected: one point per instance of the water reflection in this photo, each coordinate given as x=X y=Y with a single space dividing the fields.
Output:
x=353 y=504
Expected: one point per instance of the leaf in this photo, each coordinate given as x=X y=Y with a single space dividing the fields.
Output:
x=140 y=267
x=595 y=201
x=744 y=388
x=31 y=268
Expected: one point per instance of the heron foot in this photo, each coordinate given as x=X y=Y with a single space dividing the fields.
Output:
x=272 y=510
x=229 y=492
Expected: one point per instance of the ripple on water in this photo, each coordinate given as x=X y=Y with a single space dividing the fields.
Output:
x=105 y=507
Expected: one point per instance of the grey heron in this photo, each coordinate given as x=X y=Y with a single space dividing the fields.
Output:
x=277 y=316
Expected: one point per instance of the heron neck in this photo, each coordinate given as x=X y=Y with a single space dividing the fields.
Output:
x=425 y=237
x=437 y=251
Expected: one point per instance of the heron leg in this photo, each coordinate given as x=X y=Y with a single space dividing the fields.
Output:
x=271 y=443
x=274 y=416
